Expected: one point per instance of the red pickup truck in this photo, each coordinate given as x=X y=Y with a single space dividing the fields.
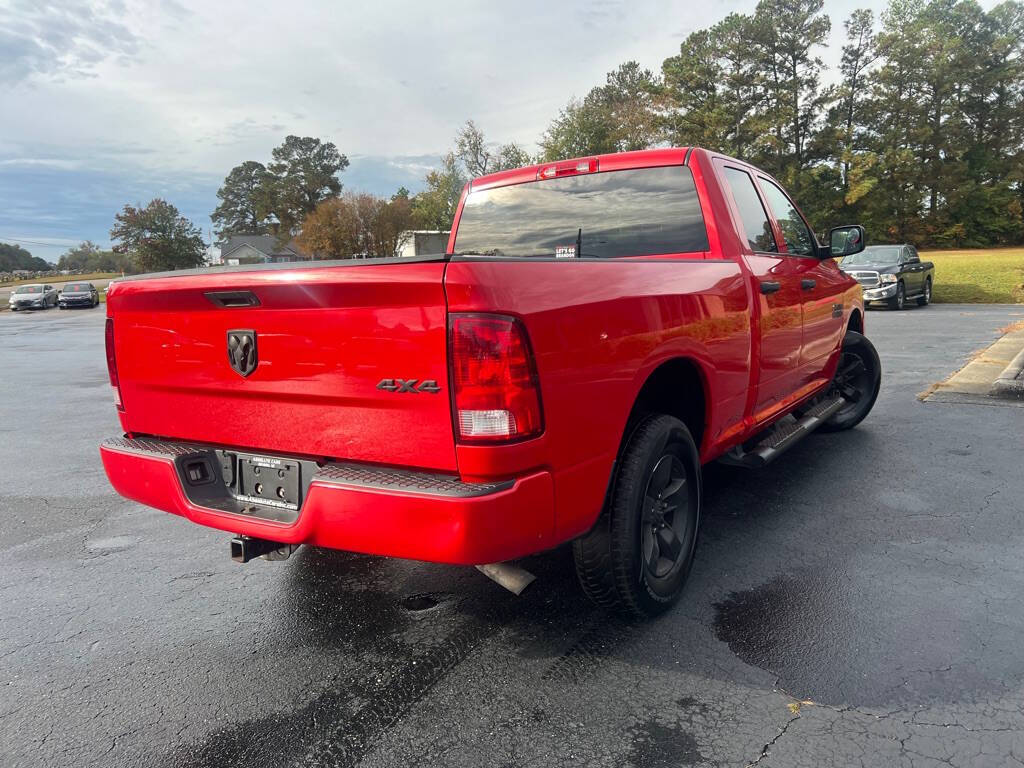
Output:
x=598 y=330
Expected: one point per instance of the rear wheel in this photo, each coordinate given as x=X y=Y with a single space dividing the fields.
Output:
x=926 y=298
x=858 y=379
x=638 y=556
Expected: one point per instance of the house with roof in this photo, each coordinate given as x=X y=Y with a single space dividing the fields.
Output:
x=257 y=249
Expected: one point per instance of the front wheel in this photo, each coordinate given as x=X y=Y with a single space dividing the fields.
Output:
x=858 y=379
x=900 y=299
x=638 y=556
x=926 y=298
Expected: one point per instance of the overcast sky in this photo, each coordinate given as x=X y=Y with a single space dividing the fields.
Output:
x=103 y=103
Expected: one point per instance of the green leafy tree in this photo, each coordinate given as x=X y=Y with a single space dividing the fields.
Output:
x=157 y=237
x=14 y=257
x=581 y=128
x=478 y=157
x=711 y=89
x=257 y=199
x=434 y=207
x=246 y=200
x=629 y=97
x=619 y=116
x=786 y=35
x=357 y=225
x=846 y=118
x=89 y=257
x=304 y=171
x=80 y=258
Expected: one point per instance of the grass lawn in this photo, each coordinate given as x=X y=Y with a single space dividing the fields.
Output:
x=979 y=276
x=63 y=278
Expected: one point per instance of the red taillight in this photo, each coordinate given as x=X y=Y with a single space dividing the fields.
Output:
x=112 y=363
x=568 y=168
x=495 y=395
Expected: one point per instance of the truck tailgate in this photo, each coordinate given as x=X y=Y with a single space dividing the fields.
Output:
x=331 y=342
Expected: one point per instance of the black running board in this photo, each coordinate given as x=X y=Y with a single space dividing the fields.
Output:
x=783 y=435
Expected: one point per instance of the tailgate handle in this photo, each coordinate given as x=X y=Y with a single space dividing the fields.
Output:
x=230 y=299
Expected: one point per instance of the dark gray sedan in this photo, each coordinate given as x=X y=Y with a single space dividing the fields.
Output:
x=79 y=295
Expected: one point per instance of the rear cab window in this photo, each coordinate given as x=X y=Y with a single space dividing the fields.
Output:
x=635 y=212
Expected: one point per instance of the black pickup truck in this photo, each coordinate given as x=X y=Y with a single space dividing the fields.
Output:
x=891 y=274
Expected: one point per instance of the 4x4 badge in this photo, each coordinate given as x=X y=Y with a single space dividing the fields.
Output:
x=414 y=386
x=242 y=351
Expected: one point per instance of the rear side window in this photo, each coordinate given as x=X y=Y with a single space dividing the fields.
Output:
x=755 y=221
x=794 y=231
x=638 y=212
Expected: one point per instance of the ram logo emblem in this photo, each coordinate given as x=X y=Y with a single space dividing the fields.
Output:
x=242 y=354
x=412 y=386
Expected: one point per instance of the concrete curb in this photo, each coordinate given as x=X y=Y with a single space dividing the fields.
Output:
x=1010 y=383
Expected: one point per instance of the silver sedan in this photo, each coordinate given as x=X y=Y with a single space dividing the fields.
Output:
x=36 y=296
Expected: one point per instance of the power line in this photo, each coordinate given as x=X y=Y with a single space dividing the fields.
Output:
x=33 y=242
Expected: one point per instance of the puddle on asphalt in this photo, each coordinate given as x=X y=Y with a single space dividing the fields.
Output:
x=863 y=639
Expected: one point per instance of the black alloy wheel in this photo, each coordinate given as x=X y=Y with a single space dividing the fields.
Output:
x=638 y=555
x=664 y=529
x=858 y=379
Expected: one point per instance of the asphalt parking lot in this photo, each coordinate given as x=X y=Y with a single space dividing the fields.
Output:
x=857 y=603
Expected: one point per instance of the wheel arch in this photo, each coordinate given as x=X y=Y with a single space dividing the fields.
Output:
x=856 y=322
x=677 y=387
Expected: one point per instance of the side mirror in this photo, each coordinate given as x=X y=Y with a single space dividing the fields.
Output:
x=845 y=241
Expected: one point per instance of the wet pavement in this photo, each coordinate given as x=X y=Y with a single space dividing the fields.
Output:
x=857 y=603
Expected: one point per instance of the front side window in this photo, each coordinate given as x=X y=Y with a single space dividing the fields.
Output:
x=795 y=232
x=752 y=213
x=639 y=212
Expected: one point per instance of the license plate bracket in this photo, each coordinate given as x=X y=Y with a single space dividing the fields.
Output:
x=260 y=479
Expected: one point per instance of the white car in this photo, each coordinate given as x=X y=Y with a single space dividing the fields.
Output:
x=35 y=296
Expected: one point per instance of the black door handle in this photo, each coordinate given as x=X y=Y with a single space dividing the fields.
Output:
x=767 y=286
x=808 y=284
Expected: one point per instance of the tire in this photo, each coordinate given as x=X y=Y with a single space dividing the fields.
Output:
x=926 y=298
x=637 y=557
x=859 y=371
x=900 y=299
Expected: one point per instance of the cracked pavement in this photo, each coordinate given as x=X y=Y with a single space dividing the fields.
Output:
x=858 y=603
